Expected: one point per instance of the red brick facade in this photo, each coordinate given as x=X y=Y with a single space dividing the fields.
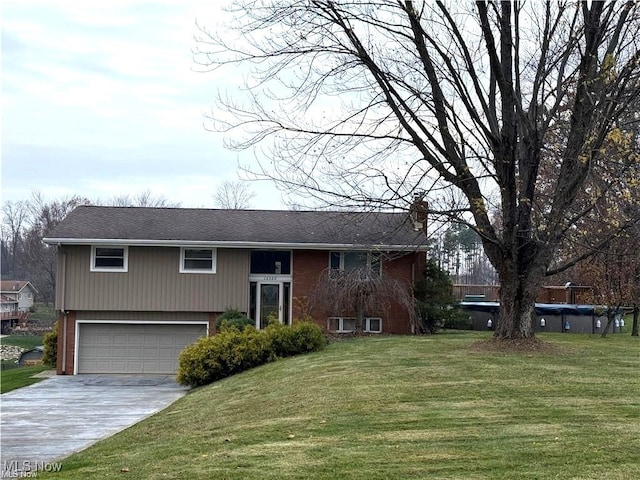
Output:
x=66 y=343
x=308 y=266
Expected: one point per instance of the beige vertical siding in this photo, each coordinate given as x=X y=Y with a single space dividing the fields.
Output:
x=117 y=316
x=154 y=283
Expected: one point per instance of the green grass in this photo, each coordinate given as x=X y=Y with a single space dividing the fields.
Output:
x=44 y=313
x=398 y=408
x=19 y=377
x=24 y=341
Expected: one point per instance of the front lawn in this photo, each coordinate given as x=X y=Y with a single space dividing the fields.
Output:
x=383 y=407
x=25 y=341
x=20 y=377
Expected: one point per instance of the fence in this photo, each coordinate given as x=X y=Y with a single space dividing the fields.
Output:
x=572 y=294
x=485 y=293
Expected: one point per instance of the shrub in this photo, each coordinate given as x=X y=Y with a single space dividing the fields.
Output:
x=50 y=344
x=281 y=338
x=232 y=351
x=434 y=299
x=232 y=317
x=206 y=360
x=302 y=337
x=458 y=320
x=308 y=337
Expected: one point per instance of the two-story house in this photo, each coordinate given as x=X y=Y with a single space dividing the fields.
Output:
x=17 y=298
x=136 y=285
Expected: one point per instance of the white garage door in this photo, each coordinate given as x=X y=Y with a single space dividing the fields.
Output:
x=133 y=348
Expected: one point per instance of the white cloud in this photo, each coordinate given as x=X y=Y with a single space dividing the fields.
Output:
x=101 y=99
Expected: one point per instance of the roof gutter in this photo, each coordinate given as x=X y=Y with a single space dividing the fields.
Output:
x=230 y=244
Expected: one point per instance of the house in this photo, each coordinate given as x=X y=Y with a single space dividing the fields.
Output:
x=136 y=285
x=17 y=297
x=9 y=313
x=19 y=290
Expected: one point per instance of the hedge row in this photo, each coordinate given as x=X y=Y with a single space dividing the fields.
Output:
x=232 y=350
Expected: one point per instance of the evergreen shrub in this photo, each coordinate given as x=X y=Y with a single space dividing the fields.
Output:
x=232 y=317
x=233 y=351
x=50 y=344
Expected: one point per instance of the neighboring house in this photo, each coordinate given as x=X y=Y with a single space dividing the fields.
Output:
x=19 y=290
x=17 y=297
x=136 y=285
x=9 y=313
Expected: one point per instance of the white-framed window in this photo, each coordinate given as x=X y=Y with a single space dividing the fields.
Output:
x=197 y=260
x=355 y=260
x=373 y=325
x=348 y=324
x=109 y=258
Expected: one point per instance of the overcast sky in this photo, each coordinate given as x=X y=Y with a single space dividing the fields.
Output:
x=101 y=98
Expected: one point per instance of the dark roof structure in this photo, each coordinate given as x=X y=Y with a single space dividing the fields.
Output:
x=12 y=286
x=237 y=228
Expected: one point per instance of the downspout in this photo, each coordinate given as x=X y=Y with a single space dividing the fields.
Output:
x=62 y=294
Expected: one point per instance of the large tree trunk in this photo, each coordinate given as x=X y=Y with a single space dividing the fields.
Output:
x=517 y=303
x=521 y=275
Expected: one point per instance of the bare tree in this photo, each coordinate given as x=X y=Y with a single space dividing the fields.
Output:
x=234 y=195
x=142 y=199
x=14 y=218
x=360 y=292
x=366 y=103
x=615 y=274
x=39 y=258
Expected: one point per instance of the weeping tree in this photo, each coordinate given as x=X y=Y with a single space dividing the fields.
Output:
x=496 y=111
x=361 y=292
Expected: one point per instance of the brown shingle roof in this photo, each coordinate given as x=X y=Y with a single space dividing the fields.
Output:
x=14 y=285
x=310 y=228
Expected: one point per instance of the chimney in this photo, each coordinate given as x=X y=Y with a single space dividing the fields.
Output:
x=418 y=212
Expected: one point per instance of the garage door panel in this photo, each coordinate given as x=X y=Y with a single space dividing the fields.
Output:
x=121 y=339
x=133 y=348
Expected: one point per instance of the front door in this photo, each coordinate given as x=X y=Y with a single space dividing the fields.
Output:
x=272 y=301
x=269 y=302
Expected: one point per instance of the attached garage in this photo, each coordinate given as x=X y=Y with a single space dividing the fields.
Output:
x=151 y=348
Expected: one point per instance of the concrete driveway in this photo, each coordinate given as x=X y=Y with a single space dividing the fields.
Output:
x=52 y=419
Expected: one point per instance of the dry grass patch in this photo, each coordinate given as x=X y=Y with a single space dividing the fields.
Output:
x=527 y=345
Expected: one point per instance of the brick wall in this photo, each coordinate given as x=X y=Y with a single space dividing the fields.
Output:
x=307 y=268
x=64 y=360
x=308 y=265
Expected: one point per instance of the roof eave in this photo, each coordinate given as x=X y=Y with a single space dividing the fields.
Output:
x=232 y=244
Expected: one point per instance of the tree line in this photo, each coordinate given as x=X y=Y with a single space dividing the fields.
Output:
x=23 y=254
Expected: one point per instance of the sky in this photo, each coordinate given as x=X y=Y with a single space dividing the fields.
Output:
x=103 y=99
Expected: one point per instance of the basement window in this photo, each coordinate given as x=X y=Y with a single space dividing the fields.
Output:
x=348 y=324
x=109 y=259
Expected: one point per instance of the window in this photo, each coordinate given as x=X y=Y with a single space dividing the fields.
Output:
x=355 y=260
x=348 y=324
x=109 y=259
x=271 y=262
x=373 y=325
x=197 y=260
